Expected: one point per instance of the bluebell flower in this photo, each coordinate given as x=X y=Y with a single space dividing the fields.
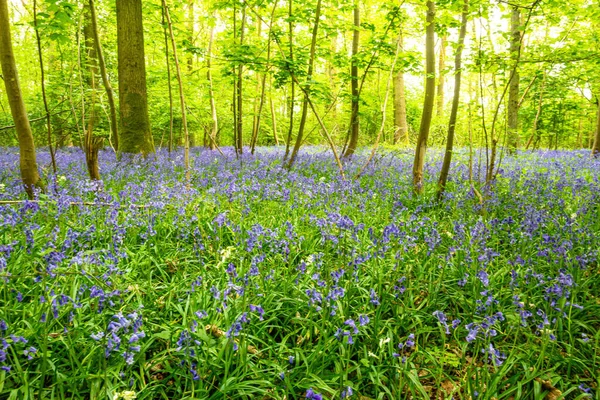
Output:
x=312 y=395
x=374 y=298
x=347 y=392
x=363 y=320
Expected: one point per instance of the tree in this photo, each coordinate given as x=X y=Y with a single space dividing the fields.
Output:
x=513 y=90
x=104 y=75
x=27 y=157
x=439 y=111
x=91 y=142
x=43 y=82
x=134 y=129
x=596 y=145
x=186 y=145
x=454 y=111
x=400 y=122
x=428 y=101
x=354 y=121
x=306 y=89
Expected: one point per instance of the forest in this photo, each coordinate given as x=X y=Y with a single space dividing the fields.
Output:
x=275 y=199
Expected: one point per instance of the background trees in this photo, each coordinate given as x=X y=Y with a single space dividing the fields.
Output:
x=27 y=162
x=247 y=73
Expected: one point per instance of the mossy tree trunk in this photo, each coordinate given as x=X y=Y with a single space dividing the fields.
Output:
x=27 y=157
x=134 y=128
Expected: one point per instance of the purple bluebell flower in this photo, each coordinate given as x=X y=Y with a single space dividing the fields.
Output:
x=312 y=395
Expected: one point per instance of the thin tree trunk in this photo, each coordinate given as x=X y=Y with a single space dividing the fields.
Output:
x=292 y=96
x=213 y=107
x=306 y=90
x=168 y=64
x=534 y=129
x=92 y=144
x=134 y=129
x=27 y=156
x=428 y=102
x=513 y=91
x=186 y=148
x=240 y=94
x=383 y=110
x=439 y=112
x=103 y=74
x=354 y=120
x=273 y=115
x=42 y=78
x=258 y=112
x=190 y=58
x=596 y=145
x=400 y=122
x=455 y=100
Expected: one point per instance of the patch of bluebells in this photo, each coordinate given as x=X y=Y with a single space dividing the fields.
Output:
x=550 y=215
x=122 y=335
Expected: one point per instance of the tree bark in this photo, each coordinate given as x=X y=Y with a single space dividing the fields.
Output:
x=27 y=156
x=292 y=96
x=134 y=129
x=91 y=144
x=213 y=107
x=103 y=74
x=455 y=100
x=513 y=90
x=170 y=89
x=439 y=112
x=400 y=122
x=42 y=79
x=596 y=145
x=305 y=103
x=191 y=20
x=354 y=121
x=428 y=101
x=186 y=135
x=534 y=129
x=239 y=144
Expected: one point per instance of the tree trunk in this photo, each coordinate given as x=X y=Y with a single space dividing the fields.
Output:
x=455 y=100
x=134 y=129
x=513 y=90
x=42 y=78
x=190 y=58
x=428 y=102
x=213 y=107
x=239 y=144
x=107 y=86
x=534 y=129
x=186 y=135
x=400 y=122
x=273 y=115
x=441 y=78
x=27 y=157
x=292 y=96
x=596 y=145
x=305 y=103
x=168 y=64
x=91 y=144
x=354 y=121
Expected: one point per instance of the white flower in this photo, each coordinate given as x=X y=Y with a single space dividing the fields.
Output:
x=125 y=395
